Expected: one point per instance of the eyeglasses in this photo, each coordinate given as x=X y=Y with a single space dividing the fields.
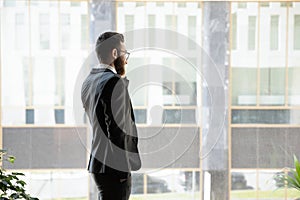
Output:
x=127 y=54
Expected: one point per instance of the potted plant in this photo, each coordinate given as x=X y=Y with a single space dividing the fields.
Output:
x=292 y=179
x=11 y=186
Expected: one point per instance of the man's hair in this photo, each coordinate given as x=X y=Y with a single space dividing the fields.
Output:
x=106 y=42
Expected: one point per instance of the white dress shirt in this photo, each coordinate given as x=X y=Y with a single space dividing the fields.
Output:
x=102 y=65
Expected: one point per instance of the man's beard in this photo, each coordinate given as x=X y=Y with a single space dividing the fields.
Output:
x=119 y=66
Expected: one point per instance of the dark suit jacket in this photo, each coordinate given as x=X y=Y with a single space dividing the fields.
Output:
x=107 y=103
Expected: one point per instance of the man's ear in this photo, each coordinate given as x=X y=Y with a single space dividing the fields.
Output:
x=114 y=53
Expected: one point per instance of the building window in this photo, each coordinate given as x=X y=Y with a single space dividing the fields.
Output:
x=274 y=28
x=84 y=32
x=272 y=85
x=129 y=26
x=242 y=5
x=151 y=24
x=140 y=116
x=296 y=32
x=251 y=32
x=9 y=3
x=260 y=116
x=151 y=20
x=234 y=31
x=167 y=88
x=44 y=26
x=28 y=80
x=19 y=30
x=139 y=4
x=186 y=93
x=75 y=4
x=59 y=64
x=65 y=31
x=29 y=116
x=171 y=24
x=159 y=4
x=264 y=4
x=129 y=22
x=181 y=5
x=244 y=86
x=192 y=20
x=59 y=116
x=179 y=116
x=179 y=93
x=286 y=4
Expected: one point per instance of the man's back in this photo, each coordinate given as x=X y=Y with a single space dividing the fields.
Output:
x=107 y=104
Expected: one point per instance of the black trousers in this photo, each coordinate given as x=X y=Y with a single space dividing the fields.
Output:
x=111 y=188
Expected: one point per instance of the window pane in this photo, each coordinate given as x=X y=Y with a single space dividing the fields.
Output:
x=159 y=4
x=242 y=180
x=264 y=4
x=251 y=32
x=181 y=5
x=65 y=28
x=167 y=184
x=180 y=116
x=192 y=31
x=286 y=4
x=139 y=4
x=44 y=25
x=272 y=86
x=242 y=5
x=84 y=32
x=59 y=64
x=266 y=184
x=140 y=116
x=244 y=86
x=21 y=31
x=294 y=89
x=297 y=32
x=129 y=26
x=59 y=116
x=234 y=31
x=75 y=3
x=171 y=24
x=29 y=116
x=152 y=24
x=274 y=32
x=265 y=116
x=9 y=3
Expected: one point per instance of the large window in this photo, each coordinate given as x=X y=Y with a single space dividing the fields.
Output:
x=46 y=50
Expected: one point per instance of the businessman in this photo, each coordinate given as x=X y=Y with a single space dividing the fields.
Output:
x=105 y=98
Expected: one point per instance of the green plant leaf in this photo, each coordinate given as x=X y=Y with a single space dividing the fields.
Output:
x=21 y=182
x=297 y=165
x=11 y=159
x=17 y=174
x=292 y=183
x=297 y=178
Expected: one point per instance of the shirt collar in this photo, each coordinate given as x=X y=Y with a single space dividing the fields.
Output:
x=105 y=66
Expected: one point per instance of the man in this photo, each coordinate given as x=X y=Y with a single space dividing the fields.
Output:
x=105 y=98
